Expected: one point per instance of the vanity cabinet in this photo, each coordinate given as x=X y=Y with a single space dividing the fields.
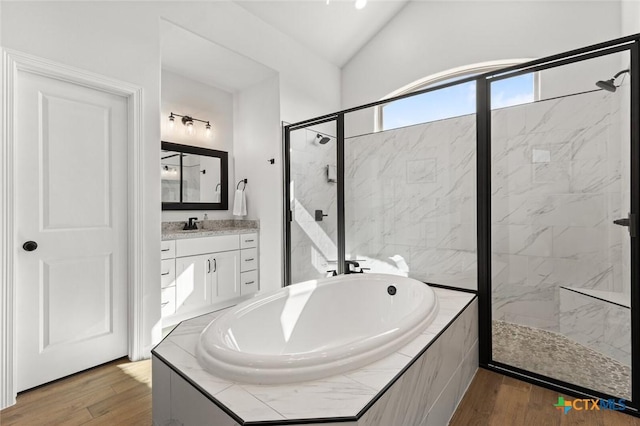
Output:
x=193 y=283
x=225 y=278
x=249 y=263
x=207 y=273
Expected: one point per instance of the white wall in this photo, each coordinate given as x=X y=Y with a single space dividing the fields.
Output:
x=630 y=14
x=102 y=39
x=121 y=40
x=429 y=37
x=309 y=85
x=256 y=123
x=184 y=96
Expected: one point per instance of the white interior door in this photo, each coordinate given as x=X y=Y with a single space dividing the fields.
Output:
x=71 y=200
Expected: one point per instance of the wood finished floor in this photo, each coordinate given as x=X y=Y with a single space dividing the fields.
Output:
x=494 y=399
x=119 y=393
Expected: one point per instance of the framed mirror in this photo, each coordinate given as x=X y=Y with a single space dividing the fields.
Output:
x=193 y=178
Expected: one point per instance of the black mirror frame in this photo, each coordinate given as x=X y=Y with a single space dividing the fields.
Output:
x=224 y=177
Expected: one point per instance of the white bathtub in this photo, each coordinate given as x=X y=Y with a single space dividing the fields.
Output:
x=316 y=329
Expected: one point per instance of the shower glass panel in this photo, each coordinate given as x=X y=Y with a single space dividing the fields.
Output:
x=313 y=202
x=560 y=176
x=410 y=193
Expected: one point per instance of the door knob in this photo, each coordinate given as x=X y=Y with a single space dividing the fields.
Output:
x=30 y=246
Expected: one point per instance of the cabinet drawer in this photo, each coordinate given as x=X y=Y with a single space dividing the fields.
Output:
x=168 y=272
x=168 y=249
x=204 y=245
x=168 y=301
x=248 y=260
x=248 y=282
x=248 y=241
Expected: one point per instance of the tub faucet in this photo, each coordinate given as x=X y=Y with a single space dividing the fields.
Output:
x=352 y=267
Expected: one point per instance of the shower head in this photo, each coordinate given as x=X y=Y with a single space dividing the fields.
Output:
x=322 y=139
x=609 y=85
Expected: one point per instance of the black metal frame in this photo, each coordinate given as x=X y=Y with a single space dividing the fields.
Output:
x=484 y=222
x=483 y=154
x=287 y=210
x=635 y=209
x=224 y=177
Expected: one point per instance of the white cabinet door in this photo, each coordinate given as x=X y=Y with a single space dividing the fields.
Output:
x=225 y=276
x=193 y=282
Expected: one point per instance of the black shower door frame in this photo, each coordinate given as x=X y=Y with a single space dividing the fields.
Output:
x=483 y=159
x=630 y=44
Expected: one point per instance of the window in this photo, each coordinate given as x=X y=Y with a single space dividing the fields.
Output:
x=455 y=100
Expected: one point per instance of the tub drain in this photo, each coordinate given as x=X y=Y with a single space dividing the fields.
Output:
x=391 y=290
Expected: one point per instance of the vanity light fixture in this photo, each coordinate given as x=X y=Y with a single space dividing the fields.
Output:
x=188 y=122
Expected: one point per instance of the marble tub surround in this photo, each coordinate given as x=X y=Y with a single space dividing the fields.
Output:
x=207 y=228
x=347 y=396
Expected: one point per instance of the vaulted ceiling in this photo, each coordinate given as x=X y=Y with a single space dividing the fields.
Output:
x=335 y=30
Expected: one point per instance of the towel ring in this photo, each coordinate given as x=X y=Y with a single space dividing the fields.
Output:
x=217 y=186
x=242 y=181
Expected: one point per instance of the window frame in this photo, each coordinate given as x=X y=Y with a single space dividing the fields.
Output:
x=458 y=72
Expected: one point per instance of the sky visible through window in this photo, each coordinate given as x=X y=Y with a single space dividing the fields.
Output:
x=455 y=101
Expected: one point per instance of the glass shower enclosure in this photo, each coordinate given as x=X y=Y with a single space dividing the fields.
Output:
x=529 y=202
x=560 y=257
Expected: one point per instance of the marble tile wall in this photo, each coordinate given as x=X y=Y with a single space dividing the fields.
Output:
x=602 y=326
x=313 y=244
x=410 y=201
x=556 y=188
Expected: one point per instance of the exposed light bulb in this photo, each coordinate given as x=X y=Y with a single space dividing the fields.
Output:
x=188 y=124
x=360 y=4
x=172 y=121
x=207 y=131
